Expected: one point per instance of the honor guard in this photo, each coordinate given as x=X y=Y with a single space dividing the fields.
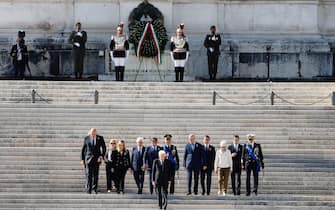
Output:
x=119 y=48
x=78 y=40
x=19 y=54
x=212 y=43
x=179 y=52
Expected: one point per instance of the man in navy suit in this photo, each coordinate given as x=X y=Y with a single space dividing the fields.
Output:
x=236 y=154
x=208 y=166
x=172 y=155
x=151 y=154
x=92 y=155
x=137 y=164
x=193 y=161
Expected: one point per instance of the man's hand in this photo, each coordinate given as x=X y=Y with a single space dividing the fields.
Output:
x=216 y=171
x=204 y=168
x=234 y=154
x=153 y=184
x=82 y=163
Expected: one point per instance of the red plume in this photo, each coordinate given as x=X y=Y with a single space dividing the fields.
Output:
x=181 y=26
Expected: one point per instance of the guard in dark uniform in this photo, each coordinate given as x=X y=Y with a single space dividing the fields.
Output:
x=78 y=40
x=236 y=154
x=179 y=52
x=212 y=43
x=19 y=54
x=119 y=48
x=252 y=161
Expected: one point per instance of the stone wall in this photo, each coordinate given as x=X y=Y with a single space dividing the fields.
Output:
x=288 y=39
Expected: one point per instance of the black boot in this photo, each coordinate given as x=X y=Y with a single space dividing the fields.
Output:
x=117 y=73
x=176 y=69
x=122 y=73
x=181 y=74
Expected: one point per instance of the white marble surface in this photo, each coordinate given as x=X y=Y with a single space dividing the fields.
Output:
x=239 y=17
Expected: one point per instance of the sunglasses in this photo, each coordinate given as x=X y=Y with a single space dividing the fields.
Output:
x=112 y=143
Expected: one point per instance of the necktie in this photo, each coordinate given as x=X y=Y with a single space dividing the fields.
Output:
x=139 y=150
x=93 y=141
x=236 y=147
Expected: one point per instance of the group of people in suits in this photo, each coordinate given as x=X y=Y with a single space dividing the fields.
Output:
x=162 y=164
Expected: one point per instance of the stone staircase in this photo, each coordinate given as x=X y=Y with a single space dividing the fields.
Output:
x=40 y=143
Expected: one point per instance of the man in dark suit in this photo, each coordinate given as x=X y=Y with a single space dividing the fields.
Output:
x=151 y=154
x=193 y=160
x=19 y=54
x=137 y=164
x=212 y=43
x=173 y=157
x=78 y=40
x=252 y=161
x=92 y=155
x=161 y=175
x=208 y=166
x=236 y=154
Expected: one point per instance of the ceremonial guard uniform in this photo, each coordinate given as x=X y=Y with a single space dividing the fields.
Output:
x=212 y=43
x=119 y=47
x=78 y=40
x=19 y=54
x=179 y=52
x=252 y=161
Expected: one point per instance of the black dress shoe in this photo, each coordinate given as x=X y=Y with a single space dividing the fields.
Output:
x=203 y=193
x=195 y=193
x=248 y=194
x=189 y=193
x=96 y=192
x=88 y=192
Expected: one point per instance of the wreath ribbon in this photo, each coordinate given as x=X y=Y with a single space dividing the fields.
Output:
x=149 y=30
